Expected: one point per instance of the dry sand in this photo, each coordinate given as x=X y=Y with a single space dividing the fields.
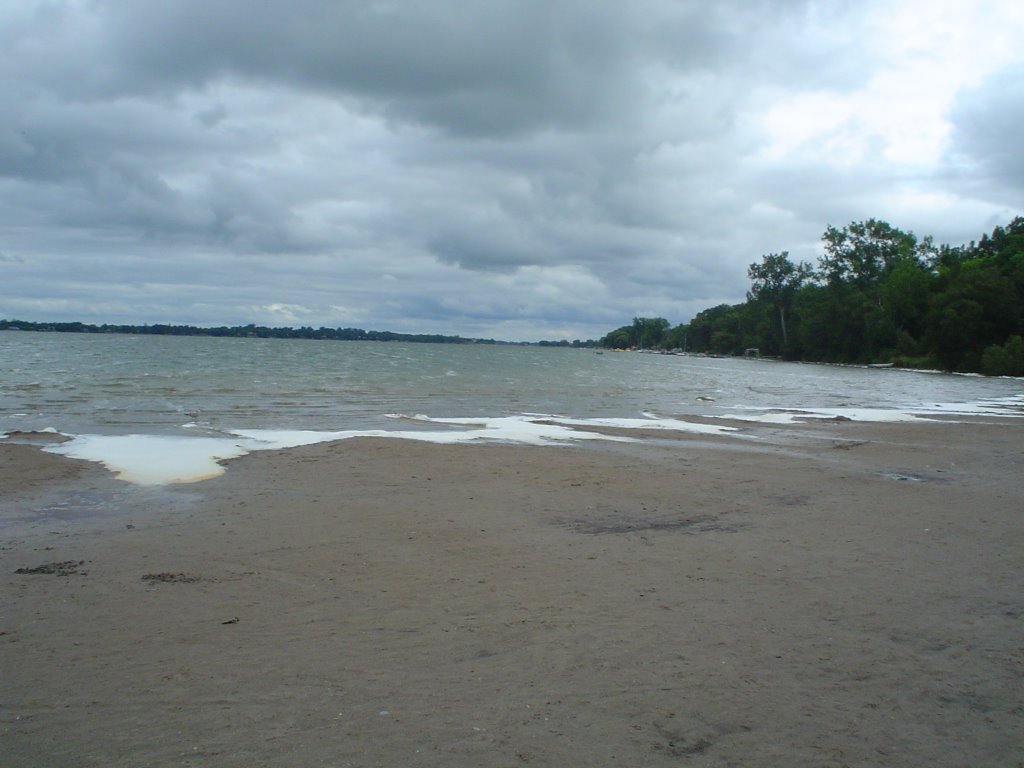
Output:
x=828 y=595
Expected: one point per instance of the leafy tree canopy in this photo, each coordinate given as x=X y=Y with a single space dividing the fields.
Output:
x=878 y=295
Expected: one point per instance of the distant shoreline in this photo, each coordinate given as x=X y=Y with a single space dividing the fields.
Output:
x=238 y=331
x=267 y=332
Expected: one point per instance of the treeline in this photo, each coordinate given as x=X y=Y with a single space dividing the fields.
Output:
x=263 y=332
x=243 y=331
x=877 y=295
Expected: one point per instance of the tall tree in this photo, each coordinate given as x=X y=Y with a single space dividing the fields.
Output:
x=648 y=332
x=862 y=252
x=775 y=281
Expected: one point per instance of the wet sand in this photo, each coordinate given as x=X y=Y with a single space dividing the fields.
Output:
x=828 y=595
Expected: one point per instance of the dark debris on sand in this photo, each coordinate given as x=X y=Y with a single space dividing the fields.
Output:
x=697 y=524
x=62 y=568
x=180 y=578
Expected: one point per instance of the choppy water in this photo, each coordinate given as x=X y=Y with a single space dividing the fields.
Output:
x=112 y=384
x=163 y=409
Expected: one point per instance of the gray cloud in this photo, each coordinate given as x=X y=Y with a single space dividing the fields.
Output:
x=987 y=131
x=527 y=168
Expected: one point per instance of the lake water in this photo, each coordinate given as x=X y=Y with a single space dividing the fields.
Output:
x=188 y=389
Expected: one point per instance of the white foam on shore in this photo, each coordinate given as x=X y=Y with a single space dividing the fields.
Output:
x=509 y=429
x=673 y=425
x=1011 y=407
x=154 y=459
x=541 y=420
x=157 y=460
x=801 y=416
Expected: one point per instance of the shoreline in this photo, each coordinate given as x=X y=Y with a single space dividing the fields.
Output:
x=198 y=451
x=845 y=593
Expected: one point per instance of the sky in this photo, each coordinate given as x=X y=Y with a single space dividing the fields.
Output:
x=509 y=169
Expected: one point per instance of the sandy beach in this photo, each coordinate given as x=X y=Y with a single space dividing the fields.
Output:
x=833 y=594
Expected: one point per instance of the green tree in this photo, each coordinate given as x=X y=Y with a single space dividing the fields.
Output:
x=863 y=251
x=879 y=293
x=722 y=330
x=678 y=337
x=1004 y=360
x=648 y=332
x=775 y=282
x=617 y=339
x=976 y=308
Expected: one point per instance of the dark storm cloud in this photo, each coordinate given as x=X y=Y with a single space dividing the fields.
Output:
x=478 y=68
x=494 y=168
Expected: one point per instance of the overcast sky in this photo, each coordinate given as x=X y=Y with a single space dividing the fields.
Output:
x=516 y=169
